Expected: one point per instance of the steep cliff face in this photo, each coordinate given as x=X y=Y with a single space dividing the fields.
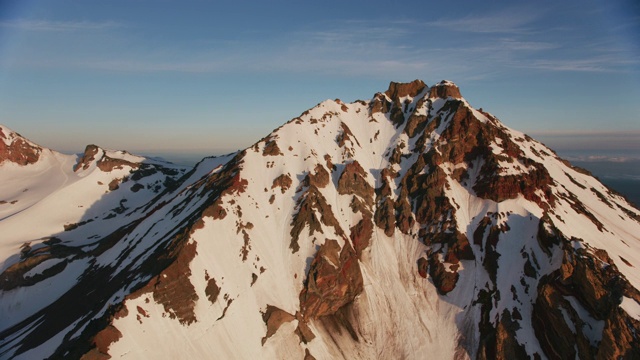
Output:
x=407 y=226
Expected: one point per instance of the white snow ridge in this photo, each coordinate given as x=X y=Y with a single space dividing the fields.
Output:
x=407 y=226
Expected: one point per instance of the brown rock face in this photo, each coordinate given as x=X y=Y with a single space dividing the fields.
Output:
x=309 y=204
x=19 y=150
x=361 y=235
x=507 y=347
x=89 y=155
x=423 y=267
x=443 y=279
x=105 y=337
x=555 y=335
x=620 y=337
x=353 y=181
x=398 y=90
x=319 y=178
x=385 y=216
x=105 y=163
x=173 y=289
x=212 y=290
x=593 y=280
x=399 y=110
x=334 y=280
x=108 y=164
x=498 y=188
x=274 y=317
x=307 y=355
x=346 y=135
x=417 y=123
x=14 y=276
x=303 y=330
x=283 y=182
x=444 y=90
x=380 y=104
x=271 y=148
x=215 y=211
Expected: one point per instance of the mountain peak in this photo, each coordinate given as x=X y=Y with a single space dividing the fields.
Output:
x=16 y=149
x=319 y=237
x=106 y=160
x=445 y=89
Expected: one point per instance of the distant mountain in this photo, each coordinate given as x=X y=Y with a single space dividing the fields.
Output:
x=410 y=225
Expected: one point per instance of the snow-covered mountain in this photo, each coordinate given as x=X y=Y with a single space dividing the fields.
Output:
x=407 y=226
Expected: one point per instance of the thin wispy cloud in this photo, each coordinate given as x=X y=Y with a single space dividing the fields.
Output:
x=49 y=25
x=351 y=47
x=514 y=21
x=523 y=45
x=601 y=64
x=346 y=48
x=151 y=66
x=588 y=133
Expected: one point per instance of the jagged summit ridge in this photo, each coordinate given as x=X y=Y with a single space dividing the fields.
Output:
x=400 y=90
x=443 y=90
x=405 y=225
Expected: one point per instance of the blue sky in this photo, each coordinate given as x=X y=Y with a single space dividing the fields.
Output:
x=214 y=76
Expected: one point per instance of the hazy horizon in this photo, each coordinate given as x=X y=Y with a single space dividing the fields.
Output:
x=569 y=147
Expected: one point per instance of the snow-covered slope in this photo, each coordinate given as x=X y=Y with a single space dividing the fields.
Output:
x=407 y=226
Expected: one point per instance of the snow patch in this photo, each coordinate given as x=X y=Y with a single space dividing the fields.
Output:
x=631 y=307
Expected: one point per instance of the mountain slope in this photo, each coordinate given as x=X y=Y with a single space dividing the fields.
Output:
x=406 y=226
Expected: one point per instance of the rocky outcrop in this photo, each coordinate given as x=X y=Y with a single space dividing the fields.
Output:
x=507 y=346
x=385 y=216
x=444 y=275
x=108 y=164
x=353 y=181
x=619 y=338
x=89 y=155
x=283 y=182
x=417 y=123
x=16 y=149
x=310 y=204
x=400 y=90
x=103 y=161
x=334 y=280
x=271 y=148
x=102 y=340
x=17 y=275
x=401 y=96
x=274 y=317
x=346 y=135
x=499 y=188
x=319 y=178
x=173 y=289
x=444 y=89
x=212 y=290
x=593 y=281
x=379 y=104
x=361 y=235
